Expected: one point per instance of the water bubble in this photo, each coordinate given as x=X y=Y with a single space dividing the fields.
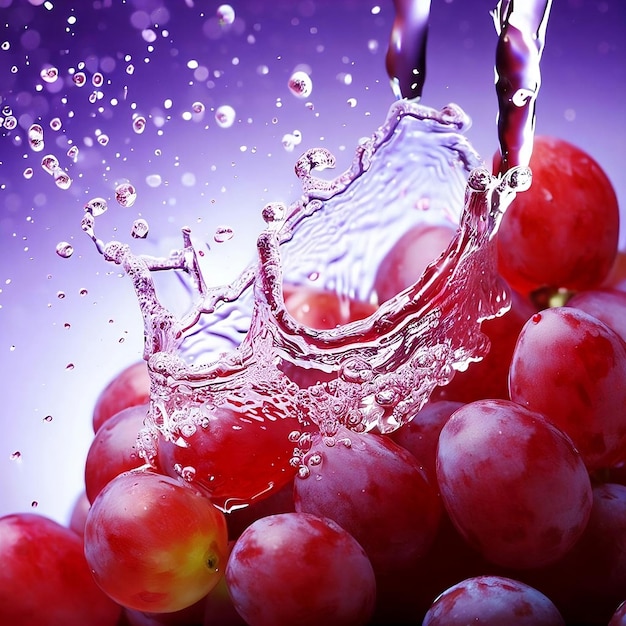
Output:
x=225 y=116
x=352 y=102
x=34 y=504
x=274 y=212
x=93 y=97
x=64 y=249
x=47 y=419
x=139 y=124
x=16 y=456
x=197 y=107
x=96 y=206
x=69 y=366
x=226 y=14
x=87 y=223
x=223 y=233
x=35 y=137
x=62 y=179
x=83 y=292
x=130 y=68
x=125 y=194
x=300 y=84
x=49 y=74
x=97 y=80
x=140 y=229
x=288 y=142
x=50 y=163
x=5 y=45
x=103 y=139
x=73 y=153
x=56 y=123
x=79 y=79
x=28 y=173
x=10 y=122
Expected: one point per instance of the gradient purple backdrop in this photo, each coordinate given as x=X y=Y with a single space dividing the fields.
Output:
x=212 y=176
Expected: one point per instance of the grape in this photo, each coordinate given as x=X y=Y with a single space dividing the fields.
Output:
x=44 y=579
x=374 y=489
x=113 y=449
x=489 y=378
x=492 y=601
x=589 y=582
x=129 y=388
x=324 y=310
x=607 y=305
x=297 y=568
x=563 y=231
x=421 y=434
x=571 y=368
x=78 y=516
x=513 y=484
x=404 y=263
x=153 y=544
x=242 y=453
x=617 y=276
x=619 y=617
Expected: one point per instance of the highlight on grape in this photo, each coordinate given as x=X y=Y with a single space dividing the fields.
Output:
x=408 y=406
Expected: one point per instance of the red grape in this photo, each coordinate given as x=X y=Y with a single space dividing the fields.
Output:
x=571 y=368
x=241 y=453
x=78 y=516
x=297 y=568
x=405 y=262
x=617 y=276
x=154 y=544
x=619 y=617
x=513 y=484
x=607 y=305
x=589 y=582
x=563 y=231
x=44 y=578
x=113 y=449
x=129 y=388
x=492 y=601
x=421 y=434
x=489 y=378
x=376 y=490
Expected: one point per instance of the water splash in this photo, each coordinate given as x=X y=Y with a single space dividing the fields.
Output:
x=378 y=371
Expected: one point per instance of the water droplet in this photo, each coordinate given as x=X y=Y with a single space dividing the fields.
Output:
x=223 y=233
x=7 y=110
x=226 y=14
x=35 y=137
x=34 y=504
x=62 y=179
x=69 y=366
x=288 y=142
x=79 y=79
x=315 y=458
x=10 y=122
x=5 y=45
x=47 y=418
x=96 y=206
x=130 y=68
x=93 y=97
x=300 y=84
x=16 y=456
x=139 y=124
x=56 y=123
x=50 y=163
x=352 y=102
x=73 y=153
x=64 y=249
x=49 y=74
x=60 y=295
x=103 y=139
x=225 y=116
x=274 y=212
x=297 y=137
x=97 y=80
x=125 y=194
x=140 y=229
x=197 y=107
x=83 y=292
x=88 y=222
x=28 y=173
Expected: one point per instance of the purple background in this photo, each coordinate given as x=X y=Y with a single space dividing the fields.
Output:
x=212 y=176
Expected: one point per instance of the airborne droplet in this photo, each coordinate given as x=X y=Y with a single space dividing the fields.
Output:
x=73 y=153
x=96 y=206
x=49 y=74
x=50 y=163
x=97 y=79
x=140 y=229
x=225 y=116
x=300 y=84
x=139 y=124
x=223 y=233
x=64 y=249
x=62 y=179
x=125 y=194
x=35 y=137
x=226 y=14
x=56 y=123
x=79 y=79
x=28 y=173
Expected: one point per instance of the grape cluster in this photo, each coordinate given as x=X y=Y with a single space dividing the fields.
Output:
x=503 y=501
